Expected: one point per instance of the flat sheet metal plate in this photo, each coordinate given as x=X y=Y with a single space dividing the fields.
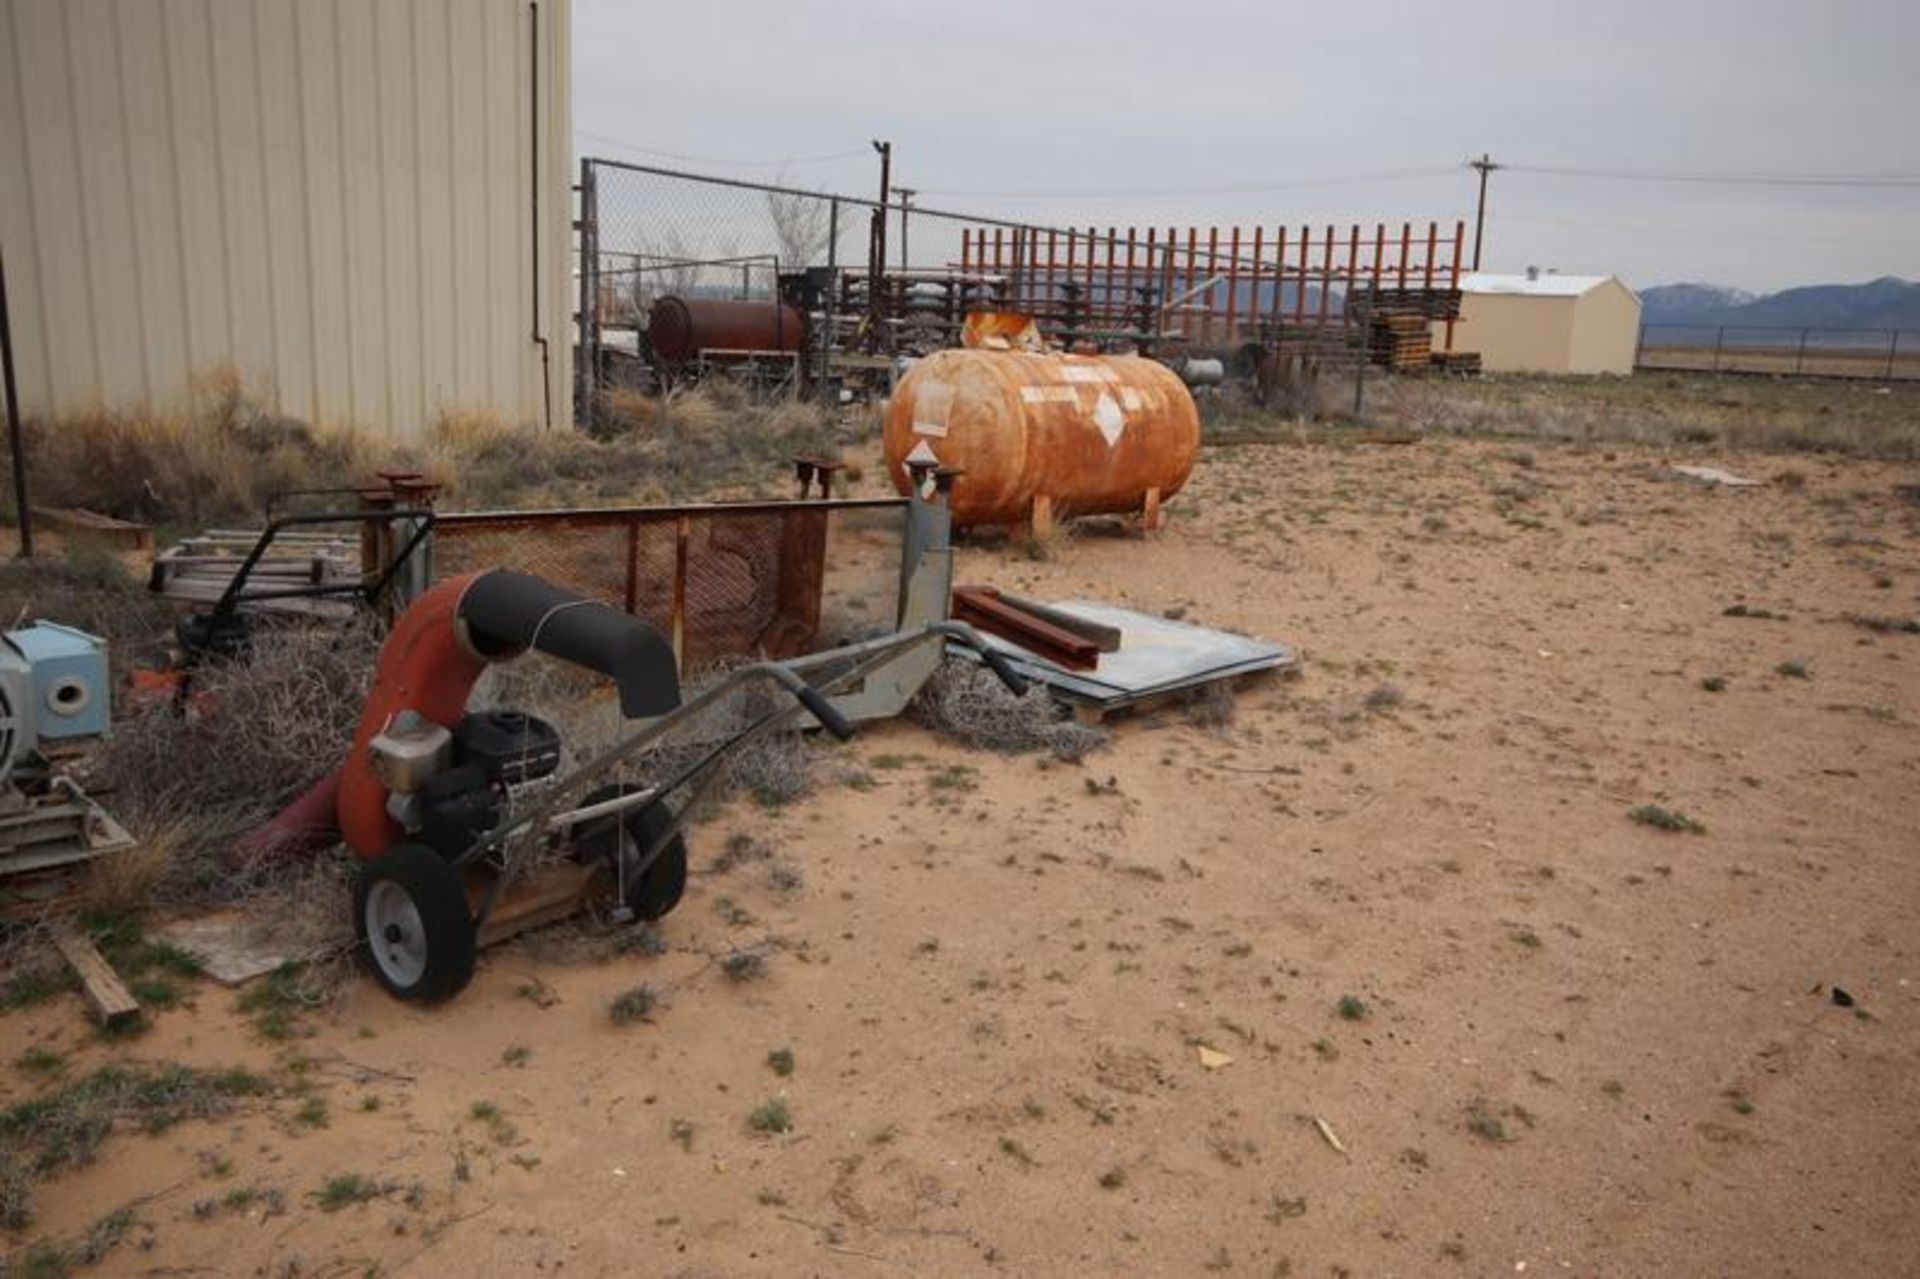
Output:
x=1156 y=656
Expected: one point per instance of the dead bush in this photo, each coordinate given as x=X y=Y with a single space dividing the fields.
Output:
x=89 y=588
x=968 y=703
x=256 y=732
x=216 y=459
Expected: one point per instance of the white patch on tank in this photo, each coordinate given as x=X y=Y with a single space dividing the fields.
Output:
x=932 y=406
x=1049 y=395
x=922 y=454
x=1110 y=418
x=1088 y=373
x=1130 y=398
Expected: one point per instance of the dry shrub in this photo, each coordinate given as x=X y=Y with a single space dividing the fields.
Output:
x=259 y=730
x=968 y=703
x=1210 y=706
x=304 y=907
x=87 y=587
x=223 y=456
x=217 y=459
x=632 y=410
x=1775 y=416
x=775 y=769
x=124 y=883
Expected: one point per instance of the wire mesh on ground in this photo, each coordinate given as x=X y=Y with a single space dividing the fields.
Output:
x=969 y=704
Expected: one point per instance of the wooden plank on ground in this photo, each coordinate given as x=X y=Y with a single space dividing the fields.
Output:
x=111 y=999
x=75 y=521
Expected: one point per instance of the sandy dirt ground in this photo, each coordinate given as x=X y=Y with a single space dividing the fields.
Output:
x=1583 y=1045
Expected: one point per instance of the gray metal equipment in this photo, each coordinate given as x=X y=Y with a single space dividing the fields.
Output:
x=54 y=700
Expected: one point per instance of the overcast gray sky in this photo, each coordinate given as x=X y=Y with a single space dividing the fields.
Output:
x=1077 y=112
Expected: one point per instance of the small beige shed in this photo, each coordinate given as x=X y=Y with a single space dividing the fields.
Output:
x=1545 y=322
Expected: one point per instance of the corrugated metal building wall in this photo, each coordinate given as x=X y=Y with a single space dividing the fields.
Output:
x=361 y=206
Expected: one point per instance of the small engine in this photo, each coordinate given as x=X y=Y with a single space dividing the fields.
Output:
x=449 y=787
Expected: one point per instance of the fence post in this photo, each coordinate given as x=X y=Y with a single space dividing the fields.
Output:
x=1893 y=351
x=1719 y=340
x=1800 y=356
x=830 y=309
x=587 y=376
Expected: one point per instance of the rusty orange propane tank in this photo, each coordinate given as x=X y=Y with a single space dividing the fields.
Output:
x=1044 y=435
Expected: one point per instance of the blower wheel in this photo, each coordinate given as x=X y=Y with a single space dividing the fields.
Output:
x=410 y=912
x=649 y=895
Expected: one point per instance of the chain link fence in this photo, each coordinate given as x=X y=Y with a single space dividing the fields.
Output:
x=868 y=281
x=1879 y=354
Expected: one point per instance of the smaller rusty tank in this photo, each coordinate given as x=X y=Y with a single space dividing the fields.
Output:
x=1043 y=435
x=680 y=328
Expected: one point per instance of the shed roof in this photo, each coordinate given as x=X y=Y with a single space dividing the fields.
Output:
x=1547 y=284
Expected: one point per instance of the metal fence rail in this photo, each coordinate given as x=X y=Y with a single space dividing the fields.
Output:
x=1808 y=351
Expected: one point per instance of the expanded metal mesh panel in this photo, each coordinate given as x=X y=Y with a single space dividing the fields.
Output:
x=590 y=560
x=720 y=583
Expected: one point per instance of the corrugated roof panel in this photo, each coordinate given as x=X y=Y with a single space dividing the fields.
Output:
x=1547 y=284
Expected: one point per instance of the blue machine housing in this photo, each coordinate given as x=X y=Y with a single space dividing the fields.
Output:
x=71 y=695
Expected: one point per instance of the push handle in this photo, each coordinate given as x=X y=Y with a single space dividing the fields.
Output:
x=997 y=662
x=823 y=710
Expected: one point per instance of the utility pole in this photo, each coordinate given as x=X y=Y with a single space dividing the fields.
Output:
x=877 y=246
x=906 y=195
x=1485 y=165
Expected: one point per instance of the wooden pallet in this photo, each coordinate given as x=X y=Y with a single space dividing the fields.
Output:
x=199 y=569
x=1457 y=361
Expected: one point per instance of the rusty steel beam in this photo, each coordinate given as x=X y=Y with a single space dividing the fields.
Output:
x=1326 y=276
x=1093 y=245
x=1107 y=320
x=983 y=608
x=1127 y=309
x=1253 y=302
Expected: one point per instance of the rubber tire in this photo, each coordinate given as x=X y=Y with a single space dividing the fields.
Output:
x=439 y=895
x=658 y=891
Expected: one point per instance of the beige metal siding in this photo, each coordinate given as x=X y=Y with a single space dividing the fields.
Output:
x=1516 y=334
x=1606 y=330
x=333 y=198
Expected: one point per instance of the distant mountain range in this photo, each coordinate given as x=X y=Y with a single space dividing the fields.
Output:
x=1886 y=303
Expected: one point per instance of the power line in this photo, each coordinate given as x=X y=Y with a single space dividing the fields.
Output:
x=605 y=140
x=1867 y=180
x=1225 y=188
x=1708 y=233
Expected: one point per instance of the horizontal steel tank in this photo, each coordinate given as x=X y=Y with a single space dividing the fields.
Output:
x=680 y=328
x=1044 y=435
